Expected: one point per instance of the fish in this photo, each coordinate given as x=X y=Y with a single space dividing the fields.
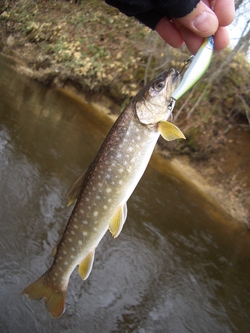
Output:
x=101 y=192
x=199 y=64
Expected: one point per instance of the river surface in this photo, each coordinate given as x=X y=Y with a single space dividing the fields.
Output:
x=176 y=267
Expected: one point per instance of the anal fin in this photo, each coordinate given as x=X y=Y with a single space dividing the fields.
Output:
x=169 y=131
x=118 y=220
x=86 y=265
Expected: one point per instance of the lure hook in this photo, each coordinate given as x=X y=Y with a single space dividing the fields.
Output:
x=187 y=62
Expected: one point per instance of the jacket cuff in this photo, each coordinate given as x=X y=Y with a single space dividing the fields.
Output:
x=150 y=12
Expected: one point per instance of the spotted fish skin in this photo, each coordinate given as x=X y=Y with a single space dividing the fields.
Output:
x=103 y=190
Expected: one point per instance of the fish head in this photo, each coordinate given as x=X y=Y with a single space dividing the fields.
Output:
x=153 y=102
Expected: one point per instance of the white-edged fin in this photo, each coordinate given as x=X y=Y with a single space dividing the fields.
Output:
x=86 y=265
x=75 y=189
x=169 y=131
x=118 y=220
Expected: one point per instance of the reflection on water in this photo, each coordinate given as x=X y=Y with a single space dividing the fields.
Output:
x=172 y=269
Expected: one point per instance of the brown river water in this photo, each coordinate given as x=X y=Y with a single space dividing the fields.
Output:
x=176 y=266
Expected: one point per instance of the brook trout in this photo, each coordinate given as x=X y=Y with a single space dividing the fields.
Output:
x=103 y=189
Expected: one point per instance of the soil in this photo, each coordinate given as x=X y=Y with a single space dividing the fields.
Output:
x=223 y=175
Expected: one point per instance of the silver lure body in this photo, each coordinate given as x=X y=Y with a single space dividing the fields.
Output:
x=196 y=70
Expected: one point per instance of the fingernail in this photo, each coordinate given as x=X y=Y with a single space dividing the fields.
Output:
x=205 y=22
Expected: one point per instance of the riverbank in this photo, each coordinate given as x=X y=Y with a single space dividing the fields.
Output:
x=89 y=53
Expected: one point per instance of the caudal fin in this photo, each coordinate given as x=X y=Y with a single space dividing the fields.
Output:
x=54 y=299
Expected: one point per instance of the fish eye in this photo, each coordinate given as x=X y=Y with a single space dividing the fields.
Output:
x=159 y=85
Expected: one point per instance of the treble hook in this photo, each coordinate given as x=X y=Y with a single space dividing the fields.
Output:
x=187 y=62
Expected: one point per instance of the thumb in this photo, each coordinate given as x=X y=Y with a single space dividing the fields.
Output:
x=202 y=20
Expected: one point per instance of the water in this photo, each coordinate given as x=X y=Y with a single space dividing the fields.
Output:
x=176 y=267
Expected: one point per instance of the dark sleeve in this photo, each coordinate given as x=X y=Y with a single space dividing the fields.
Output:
x=150 y=12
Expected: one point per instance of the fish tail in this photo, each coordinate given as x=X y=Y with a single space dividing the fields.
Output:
x=54 y=299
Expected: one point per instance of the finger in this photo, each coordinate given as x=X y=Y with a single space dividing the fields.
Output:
x=169 y=33
x=193 y=42
x=202 y=20
x=221 y=38
x=225 y=11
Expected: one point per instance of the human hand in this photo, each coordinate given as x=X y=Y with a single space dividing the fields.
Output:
x=201 y=22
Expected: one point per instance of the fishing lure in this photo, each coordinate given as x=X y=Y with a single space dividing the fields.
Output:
x=199 y=65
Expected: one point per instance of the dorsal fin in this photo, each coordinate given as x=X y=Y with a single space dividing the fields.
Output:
x=169 y=131
x=118 y=220
x=75 y=189
x=54 y=251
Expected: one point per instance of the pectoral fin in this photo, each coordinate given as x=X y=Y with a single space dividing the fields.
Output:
x=118 y=220
x=169 y=131
x=75 y=189
x=86 y=265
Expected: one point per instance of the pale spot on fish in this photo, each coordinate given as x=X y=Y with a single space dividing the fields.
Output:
x=72 y=249
x=109 y=200
x=121 y=170
x=64 y=252
x=80 y=242
x=75 y=226
x=96 y=213
x=60 y=269
x=108 y=190
x=120 y=182
x=130 y=148
x=85 y=222
x=65 y=263
x=105 y=207
x=72 y=232
x=81 y=211
x=97 y=197
x=72 y=257
x=100 y=184
x=70 y=240
x=84 y=234
x=119 y=155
